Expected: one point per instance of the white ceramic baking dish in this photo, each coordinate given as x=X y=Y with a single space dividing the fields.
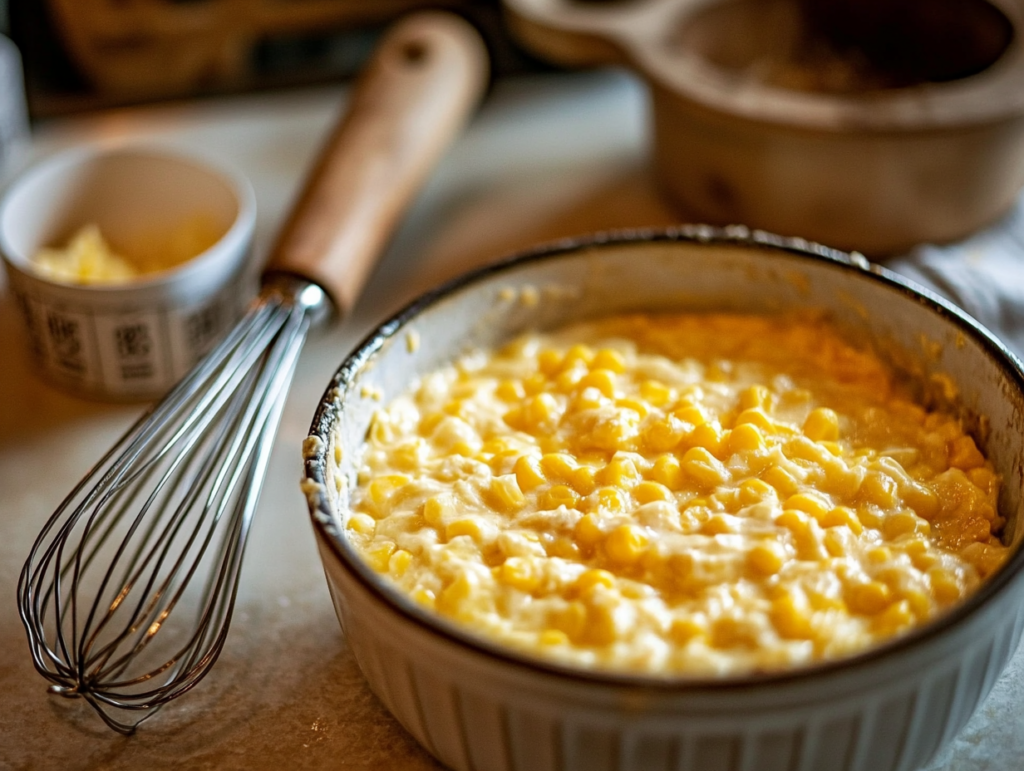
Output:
x=475 y=705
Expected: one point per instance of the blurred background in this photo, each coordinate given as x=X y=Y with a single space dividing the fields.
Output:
x=88 y=54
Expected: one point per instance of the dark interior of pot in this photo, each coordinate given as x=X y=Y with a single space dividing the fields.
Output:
x=577 y=282
x=849 y=46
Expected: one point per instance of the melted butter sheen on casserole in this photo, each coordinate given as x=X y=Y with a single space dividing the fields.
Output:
x=677 y=494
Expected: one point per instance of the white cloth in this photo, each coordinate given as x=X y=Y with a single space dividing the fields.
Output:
x=984 y=275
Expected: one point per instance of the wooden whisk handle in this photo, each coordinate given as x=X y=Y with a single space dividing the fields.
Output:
x=415 y=95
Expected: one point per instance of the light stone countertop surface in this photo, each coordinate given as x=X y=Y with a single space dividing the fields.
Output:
x=546 y=157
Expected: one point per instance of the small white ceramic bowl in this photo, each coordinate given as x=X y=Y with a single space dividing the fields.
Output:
x=476 y=705
x=131 y=340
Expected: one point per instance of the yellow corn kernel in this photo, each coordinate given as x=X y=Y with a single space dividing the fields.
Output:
x=983 y=477
x=645 y=492
x=572 y=620
x=435 y=509
x=699 y=464
x=520 y=573
x=693 y=517
x=808 y=503
x=718 y=524
x=869 y=517
x=541 y=413
x=718 y=371
x=629 y=403
x=834 y=542
x=985 y=557
x=557 y=495
x=610 y=359
x=379 y=555
x=470 y=527
x=550 y=637
x=588 y=532
x=361 y=523
x=558 y=466
x=506 y=494
x=594 y=577
x=756 y=491
x=514 y=418
x=919 y=602
x=549 y=362
x=380 y=490
x=454 y=407
x=601 y=379
x=834 y=448
x=604 y=625
x=582 y=480
x=682 y=630
x=567 y=381
x=668 y=472
x=708 y=436
x=578 y=353
x=879 y=555
x=822 y=425
x=746 y=438
x=424 y=597
x=620 y=472
x=565 y=548
x=880 y=489
x=790 y=618
x=510 y=390
x=870 y=598
x=781 y=480
x=755 y=416
x=453 y=596
x=895 y=618
x=766 y=558
x=399 y=562
x=755 y=396
x=409 y=456
x=692 y=415
x=464 y=449
x=964 y=454
x=793 y=520
x=528 y=473
x=945 y=587
x=843 y=515
x=656 y=393
x=497 y=459
x=625 y=544
x=587 y=399
x=901 y=523
x=611 y=499
x=534 y=384
x=665 y=433
x=429 y=422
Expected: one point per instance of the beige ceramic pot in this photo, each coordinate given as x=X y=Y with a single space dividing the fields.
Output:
x=908 y=129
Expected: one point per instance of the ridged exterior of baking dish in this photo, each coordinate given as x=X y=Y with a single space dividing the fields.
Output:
x=479 y=707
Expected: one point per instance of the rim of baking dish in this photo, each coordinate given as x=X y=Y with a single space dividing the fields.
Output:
x=330 y=406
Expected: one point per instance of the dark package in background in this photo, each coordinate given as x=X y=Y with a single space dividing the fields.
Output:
x=88 y=54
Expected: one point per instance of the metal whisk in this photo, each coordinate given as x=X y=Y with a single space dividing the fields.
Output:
x=128 y=591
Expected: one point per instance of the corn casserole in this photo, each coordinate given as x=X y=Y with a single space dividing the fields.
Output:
x=692 y=494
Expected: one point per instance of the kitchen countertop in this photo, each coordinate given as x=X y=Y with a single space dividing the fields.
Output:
x=545 y=157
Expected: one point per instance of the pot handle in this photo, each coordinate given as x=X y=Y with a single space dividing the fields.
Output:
x=589 y=32
x=418 y=90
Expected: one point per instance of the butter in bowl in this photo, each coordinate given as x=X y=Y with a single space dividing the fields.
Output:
x=126 y=264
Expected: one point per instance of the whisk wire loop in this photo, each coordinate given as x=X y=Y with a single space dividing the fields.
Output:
x=171 y=501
